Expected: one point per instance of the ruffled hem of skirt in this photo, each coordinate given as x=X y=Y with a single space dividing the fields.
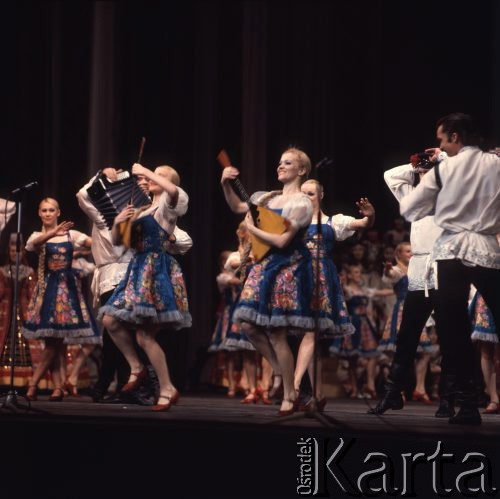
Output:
x=427 y=348
x=344 y=353
x=329 y=330
x=353 y=353
x=489 y=337
x=326 y=326
x=77 y=334
x=232 y=345
x=145 y=316
x=87 y=340
x=387 y=347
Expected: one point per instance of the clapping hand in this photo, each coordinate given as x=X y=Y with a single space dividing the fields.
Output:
x=63 y=228
x=365 y=208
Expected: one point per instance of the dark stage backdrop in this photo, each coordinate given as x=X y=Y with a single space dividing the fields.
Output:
x=360 y=82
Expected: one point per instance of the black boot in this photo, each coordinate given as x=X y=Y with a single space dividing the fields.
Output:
x=468 y=413
x=97 y=395
x=392 y=398
x=445 y=409
x=447 y=391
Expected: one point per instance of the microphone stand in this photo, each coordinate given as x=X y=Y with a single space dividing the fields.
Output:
x=11 y=402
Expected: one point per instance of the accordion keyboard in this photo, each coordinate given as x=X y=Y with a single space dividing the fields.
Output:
x=111 y=197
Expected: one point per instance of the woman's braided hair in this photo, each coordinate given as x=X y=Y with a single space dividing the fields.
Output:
x=41 y=260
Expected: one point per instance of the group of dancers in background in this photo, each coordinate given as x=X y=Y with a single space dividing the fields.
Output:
x=450 y=193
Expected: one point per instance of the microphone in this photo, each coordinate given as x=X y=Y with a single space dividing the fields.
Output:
x=26 y=187
x=323 y=163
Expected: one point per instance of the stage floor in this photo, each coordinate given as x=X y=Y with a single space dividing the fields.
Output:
x=215 y=410
x=212 y=446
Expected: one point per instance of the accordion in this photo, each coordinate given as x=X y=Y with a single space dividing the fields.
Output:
x=111 y=197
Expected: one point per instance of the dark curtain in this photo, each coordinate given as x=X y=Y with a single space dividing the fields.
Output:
x=360 y=82
x=495 y=69
x=103 y=87
x=254 y=96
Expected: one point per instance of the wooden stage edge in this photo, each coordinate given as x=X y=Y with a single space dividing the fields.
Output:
x=212 y=446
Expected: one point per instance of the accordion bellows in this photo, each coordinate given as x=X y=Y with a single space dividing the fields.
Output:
x=111 y=197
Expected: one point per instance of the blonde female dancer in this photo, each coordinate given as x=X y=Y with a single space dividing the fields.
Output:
x=277 y=292
x=334 y=316
x=58 y=312
x=152 y=294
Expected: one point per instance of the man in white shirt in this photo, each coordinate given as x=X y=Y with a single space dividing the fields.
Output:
x=464 y=196
x=419 y=301
x=111 y=264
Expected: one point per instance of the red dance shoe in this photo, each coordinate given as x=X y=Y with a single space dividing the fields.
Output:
x=140 y=376
x=57 y=395
x=171 y=400
x=421 y=397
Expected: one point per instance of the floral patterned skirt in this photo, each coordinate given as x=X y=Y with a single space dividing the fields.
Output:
x=389 y=336
x=59 y=310
x=220 y=331
x=390 y=333
x=482 y=321
x=278 y=292
x=362 y=343
x=151 y=292
x=235 y=339
x=334 y=318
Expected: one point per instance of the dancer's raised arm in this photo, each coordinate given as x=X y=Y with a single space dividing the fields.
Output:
x=367 y=211
x=235 y=203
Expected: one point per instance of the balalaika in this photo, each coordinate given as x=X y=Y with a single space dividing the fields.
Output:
x=264 y=218
x=111 y=197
